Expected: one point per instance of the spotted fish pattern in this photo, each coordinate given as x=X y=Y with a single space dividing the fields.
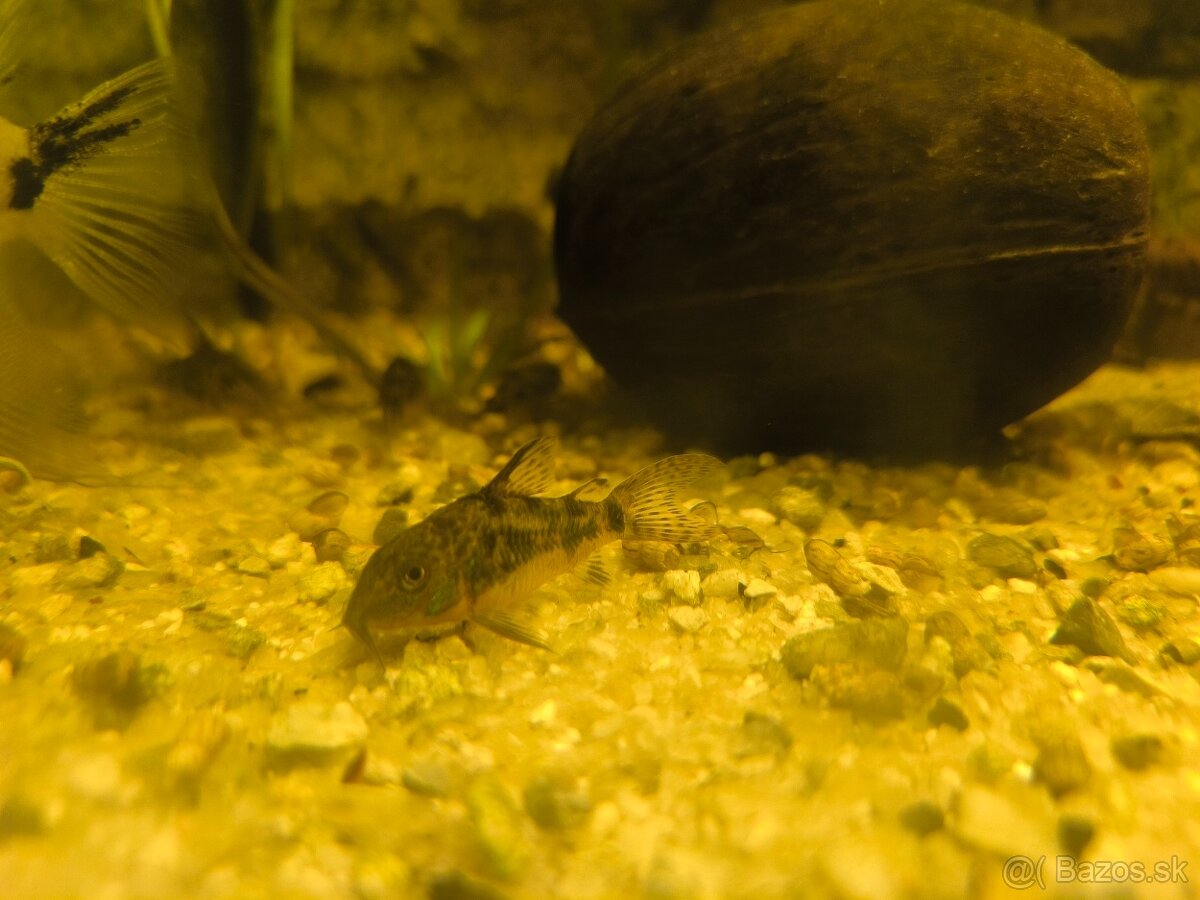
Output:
x=477 y=558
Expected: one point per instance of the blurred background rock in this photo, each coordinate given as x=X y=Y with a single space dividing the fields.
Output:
x=389 y=154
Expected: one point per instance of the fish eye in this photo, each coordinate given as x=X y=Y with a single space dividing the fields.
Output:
x=414 y=575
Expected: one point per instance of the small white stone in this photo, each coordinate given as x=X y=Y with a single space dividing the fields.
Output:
x=254 y=565
x=325 y=580
x=757 y=516
x=543 y=714
x=1182 y=580
x=284 y=550
x=34 y=576
x=684 y=584
x=723 y=584
x=96 y=777
x=687 y=619
x=757 y=589
x=311 y=727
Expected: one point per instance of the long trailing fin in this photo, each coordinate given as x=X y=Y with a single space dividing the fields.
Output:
x=41 y=406
x=254 y=272
x=649 y=499
x=15 y=25
x=119 y=199
x=529 y=472
x=115 y=196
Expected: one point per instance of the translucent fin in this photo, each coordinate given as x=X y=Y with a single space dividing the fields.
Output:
x=15 y=24
x=596 y=569
x=529 y=472
x=252 y=271
x=587 y=487
x=513 y=626
x=41 y=406
x=115 y=197
x=648 y=499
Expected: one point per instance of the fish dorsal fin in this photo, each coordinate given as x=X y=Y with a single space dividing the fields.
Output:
x=529 y=472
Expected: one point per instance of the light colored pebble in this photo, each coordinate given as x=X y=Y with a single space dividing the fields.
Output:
x=723 y=584
x=1178 y=580
x=991 y=821
x=756 y=516
x=101 y=570
x=312 y=728
x=255 y=566
x=97 y=777
x=799 y=506
x=687 y=619
x=325 y=580
x=401 y=488
x=757 y=589
x=34 y=576
x=683 y=584
x=284 y=550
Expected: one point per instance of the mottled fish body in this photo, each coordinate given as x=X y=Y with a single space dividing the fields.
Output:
x=477 y=558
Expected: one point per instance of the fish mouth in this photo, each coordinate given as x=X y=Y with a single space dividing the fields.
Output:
x=355 y=621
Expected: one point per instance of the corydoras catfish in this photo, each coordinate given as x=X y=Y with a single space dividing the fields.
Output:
x=479 y=557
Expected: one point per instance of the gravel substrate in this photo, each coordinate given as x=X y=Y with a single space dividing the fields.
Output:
x=875 y=682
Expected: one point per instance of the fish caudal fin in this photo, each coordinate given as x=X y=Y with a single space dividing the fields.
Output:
x=648 y=500
x=115 y=198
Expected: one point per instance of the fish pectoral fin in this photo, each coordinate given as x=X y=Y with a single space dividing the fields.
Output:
x=597 y=569
x=529 y=472
x=515 y=627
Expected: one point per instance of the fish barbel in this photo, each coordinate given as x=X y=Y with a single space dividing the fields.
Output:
x=477 y=558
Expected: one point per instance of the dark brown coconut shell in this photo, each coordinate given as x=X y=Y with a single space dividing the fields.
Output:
x=864 y=225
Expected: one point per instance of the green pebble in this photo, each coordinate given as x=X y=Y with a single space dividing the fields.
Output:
x=947 y=712
x=20 y=817
x=99 y=571
x=1086 y=626
x=1007 y=557
x=882 y=642
x=761 y=735
x=1075 y=832
x=12 y=646
x=922 y=818
x=870 y=694
x=1138 y=751
x=1061 y=763
x=497 y=823
x=1184 y=650
x=428 y=779
x=1140 y=613
x=555 y=803
x=460 y=886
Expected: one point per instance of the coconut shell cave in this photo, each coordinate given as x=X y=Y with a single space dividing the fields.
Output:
x=882 y=226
